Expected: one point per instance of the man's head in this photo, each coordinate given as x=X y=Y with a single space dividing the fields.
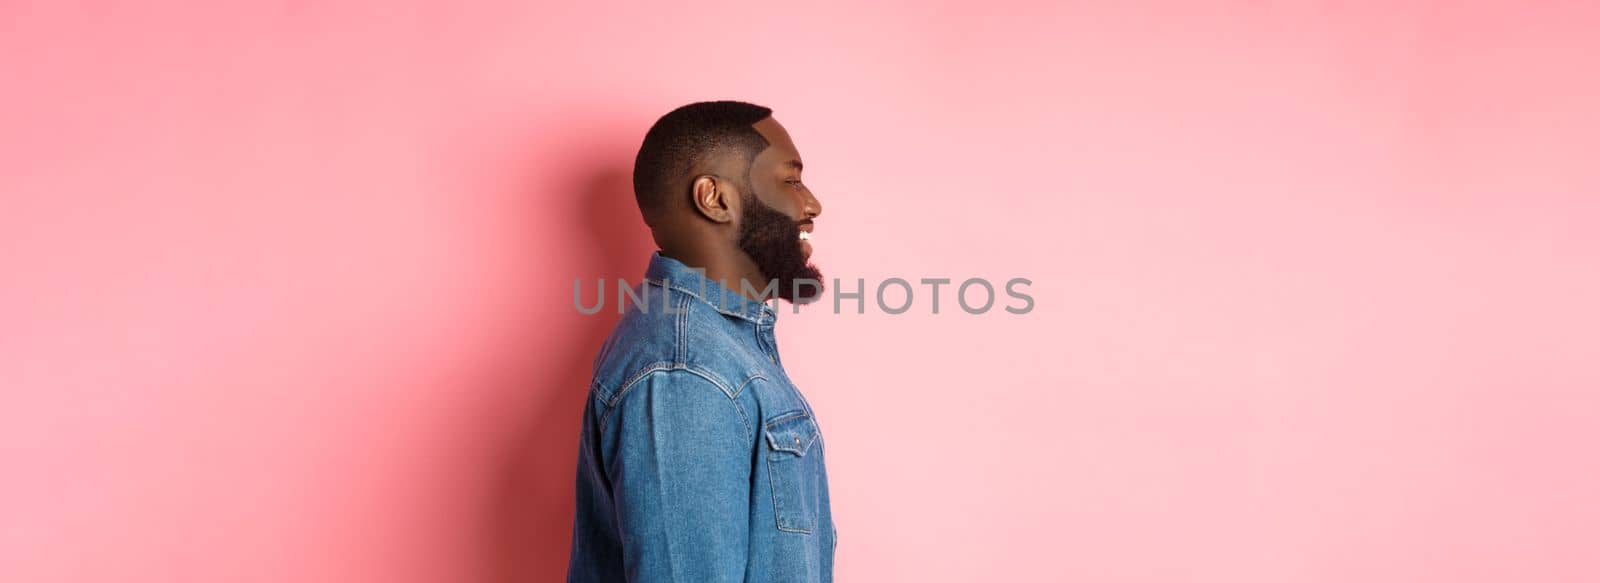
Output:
x=720 y=181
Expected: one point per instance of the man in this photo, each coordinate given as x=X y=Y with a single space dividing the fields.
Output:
x=700 y=461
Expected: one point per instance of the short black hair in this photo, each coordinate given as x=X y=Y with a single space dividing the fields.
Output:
x=686 y=137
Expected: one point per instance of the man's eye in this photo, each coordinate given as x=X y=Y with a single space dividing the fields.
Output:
x=795 y=181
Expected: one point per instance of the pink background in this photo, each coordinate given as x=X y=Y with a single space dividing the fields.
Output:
x=287 y=287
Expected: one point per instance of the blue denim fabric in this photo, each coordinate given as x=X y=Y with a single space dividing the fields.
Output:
x=700 y=461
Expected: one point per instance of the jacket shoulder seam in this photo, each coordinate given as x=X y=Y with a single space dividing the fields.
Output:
x=732 y=393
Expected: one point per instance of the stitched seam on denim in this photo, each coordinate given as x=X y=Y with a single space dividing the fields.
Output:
x=611 y=406
x=753 y=377
x=596 y=389
x=732 y=397
x=681 y=323
x=740 y=408
x=761 y=343
x=691 y=293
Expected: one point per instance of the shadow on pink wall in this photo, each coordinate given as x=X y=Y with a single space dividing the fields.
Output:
x=529 y=517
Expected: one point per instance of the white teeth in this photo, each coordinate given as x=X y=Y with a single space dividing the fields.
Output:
x=804 y=236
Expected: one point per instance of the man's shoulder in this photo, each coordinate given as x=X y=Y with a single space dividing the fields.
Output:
x=682 y=335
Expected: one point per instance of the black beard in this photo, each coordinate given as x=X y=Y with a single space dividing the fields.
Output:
x=772 y=240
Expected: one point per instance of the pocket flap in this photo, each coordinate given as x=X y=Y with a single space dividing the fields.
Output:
x=791 y=432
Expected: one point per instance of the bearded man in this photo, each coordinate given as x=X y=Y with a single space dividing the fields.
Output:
x=700 y=461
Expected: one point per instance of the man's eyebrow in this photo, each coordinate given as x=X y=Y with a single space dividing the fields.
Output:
x=796 y=164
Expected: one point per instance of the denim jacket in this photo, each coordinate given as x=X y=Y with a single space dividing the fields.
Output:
x=699 y=460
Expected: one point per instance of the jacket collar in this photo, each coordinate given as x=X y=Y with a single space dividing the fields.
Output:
x=673 y=274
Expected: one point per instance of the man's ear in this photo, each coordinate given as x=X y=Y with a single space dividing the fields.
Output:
x=713 y=199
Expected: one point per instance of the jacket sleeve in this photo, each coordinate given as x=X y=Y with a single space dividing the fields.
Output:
x=681 y=475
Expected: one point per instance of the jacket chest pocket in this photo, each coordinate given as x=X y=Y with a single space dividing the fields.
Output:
x=794 y=467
